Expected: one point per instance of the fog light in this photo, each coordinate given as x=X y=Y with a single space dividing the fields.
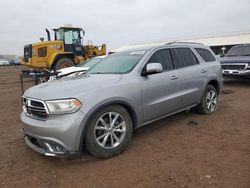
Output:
x=54 y=148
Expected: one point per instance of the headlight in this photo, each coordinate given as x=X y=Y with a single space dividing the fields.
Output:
x=64 y=106
x=248 y=66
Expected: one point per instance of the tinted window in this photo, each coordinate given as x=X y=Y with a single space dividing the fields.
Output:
x=239 y=51
x=205 y=54
x=183 y=57
x=163 y=57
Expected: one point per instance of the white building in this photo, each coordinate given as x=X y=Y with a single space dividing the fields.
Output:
x=219 y=44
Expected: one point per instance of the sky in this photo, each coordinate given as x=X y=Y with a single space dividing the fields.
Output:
x=119 y=22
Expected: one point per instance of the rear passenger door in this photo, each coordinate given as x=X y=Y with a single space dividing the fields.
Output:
x=191 y=75
x=160 y=91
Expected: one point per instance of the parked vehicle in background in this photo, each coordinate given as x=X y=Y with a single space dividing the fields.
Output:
x=4 y=62
x=236 y=63
x=17 y=61
x=12 y=62
x=77 y=69
x=126 y=90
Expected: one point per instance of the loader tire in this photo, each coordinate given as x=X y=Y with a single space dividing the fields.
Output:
x=63 y=63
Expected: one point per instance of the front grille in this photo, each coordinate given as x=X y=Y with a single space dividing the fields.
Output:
x=35 y=108
x=233 y=67
x=27 y=52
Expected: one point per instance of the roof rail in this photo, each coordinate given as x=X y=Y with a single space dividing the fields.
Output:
x=179 y=42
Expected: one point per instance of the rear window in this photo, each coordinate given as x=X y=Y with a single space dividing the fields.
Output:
x=205 y=54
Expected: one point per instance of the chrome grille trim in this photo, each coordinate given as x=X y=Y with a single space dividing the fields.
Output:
x=234 y=66
x=39 y=111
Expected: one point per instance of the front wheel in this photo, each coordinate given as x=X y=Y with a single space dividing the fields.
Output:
x=209 y=101
x=63 y=63
x=109 y=132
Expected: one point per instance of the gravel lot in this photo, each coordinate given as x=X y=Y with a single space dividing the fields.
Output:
x=185 y=150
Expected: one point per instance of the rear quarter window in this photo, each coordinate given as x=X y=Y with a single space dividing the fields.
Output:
x=205 y=54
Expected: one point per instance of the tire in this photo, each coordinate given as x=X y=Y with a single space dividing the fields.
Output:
x=99 y=129
x=210 y=96
x=63 y=63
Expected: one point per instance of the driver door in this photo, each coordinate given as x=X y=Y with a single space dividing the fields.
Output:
x=160 y=91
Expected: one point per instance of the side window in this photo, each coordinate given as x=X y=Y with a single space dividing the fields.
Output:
x=76 y=37
x=205 y=54
x=68 y=37
x=164 y=57
x=183 y=57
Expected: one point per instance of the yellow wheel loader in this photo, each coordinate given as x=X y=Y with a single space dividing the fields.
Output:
x=65 y=51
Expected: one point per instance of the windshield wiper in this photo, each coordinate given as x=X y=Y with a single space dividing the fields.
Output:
x=245 y=54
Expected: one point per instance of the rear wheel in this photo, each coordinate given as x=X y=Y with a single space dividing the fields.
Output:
x=63 y=63
x=209 y=101
x=109 y=132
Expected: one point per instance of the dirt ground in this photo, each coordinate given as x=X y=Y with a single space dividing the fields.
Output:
x=185 y=150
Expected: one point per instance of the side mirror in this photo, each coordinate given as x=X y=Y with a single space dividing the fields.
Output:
x=152 y=68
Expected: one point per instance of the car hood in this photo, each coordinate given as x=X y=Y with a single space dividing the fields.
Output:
x=235 y=59
x=71 y=87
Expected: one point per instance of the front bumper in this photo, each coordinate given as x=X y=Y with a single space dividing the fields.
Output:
x=236 y=72
x=45 y=147
x=59 y=135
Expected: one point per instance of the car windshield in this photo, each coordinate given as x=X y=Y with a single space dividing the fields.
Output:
x=89 y=63
x=239 y=51
x=117 y=63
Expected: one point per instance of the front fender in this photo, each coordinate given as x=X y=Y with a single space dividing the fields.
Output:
x=129 y=105
x=54 y=56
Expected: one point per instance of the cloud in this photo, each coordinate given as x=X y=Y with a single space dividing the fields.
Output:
x=119 y=22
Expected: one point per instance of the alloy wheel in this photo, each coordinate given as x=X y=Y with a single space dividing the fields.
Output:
x=211 y=100
x=110 y=130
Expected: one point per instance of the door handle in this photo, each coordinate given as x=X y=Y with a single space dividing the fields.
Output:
x=203 y=71
x=174 y=77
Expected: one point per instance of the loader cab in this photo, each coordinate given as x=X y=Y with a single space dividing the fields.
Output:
x=72 y=38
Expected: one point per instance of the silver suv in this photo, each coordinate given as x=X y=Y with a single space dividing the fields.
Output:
x=98 y=111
